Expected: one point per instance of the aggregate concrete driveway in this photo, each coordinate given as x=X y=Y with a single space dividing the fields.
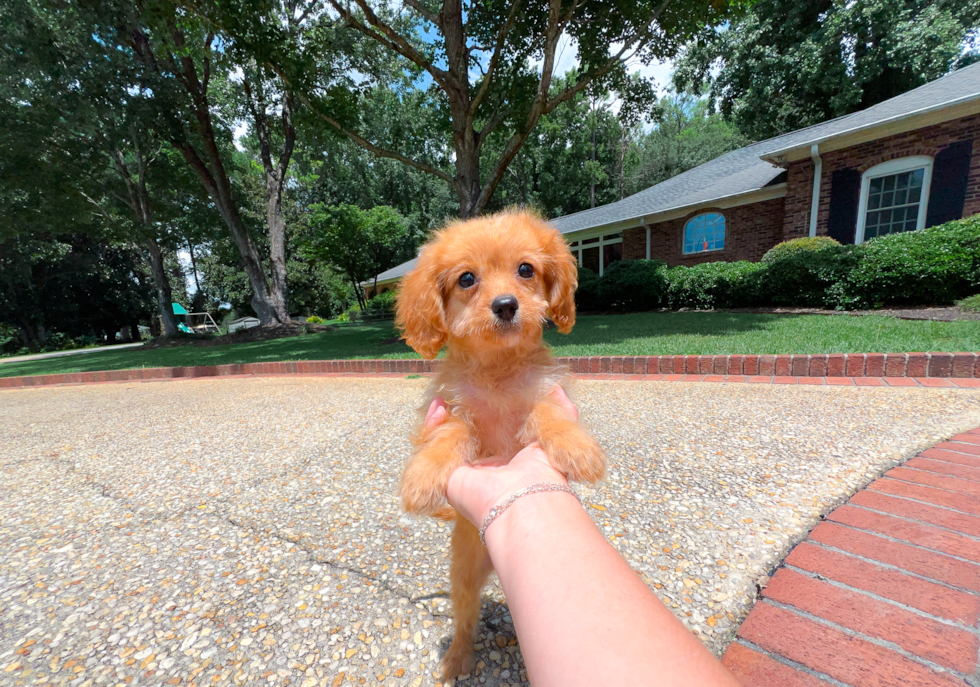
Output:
x=247 y=530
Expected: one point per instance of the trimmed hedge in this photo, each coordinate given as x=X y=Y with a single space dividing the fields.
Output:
x=802 y=278
x=805 y=244
x=633 y=285
x=935 y=266
x=587 y=294
x=715 y=285
x=382 y=303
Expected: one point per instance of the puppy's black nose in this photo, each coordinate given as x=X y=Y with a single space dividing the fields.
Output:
x=504 y=307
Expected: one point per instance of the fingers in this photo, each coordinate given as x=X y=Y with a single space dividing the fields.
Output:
x=531 y=455
x=565 y=402
x=437 y=414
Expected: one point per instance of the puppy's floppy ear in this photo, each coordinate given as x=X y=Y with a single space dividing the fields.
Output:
x=420 y=315
x=561 y=280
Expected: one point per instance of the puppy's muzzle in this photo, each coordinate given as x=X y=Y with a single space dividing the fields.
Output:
x=504 y=307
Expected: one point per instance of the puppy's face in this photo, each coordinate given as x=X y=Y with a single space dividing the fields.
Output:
x=488 y=283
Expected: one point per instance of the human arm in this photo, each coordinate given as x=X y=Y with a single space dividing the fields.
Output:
x=582 y=615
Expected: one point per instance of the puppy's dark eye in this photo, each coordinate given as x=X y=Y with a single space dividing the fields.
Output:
x=467 y=279
x=525 y=271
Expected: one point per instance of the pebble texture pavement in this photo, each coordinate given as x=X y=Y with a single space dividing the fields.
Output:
x=248 y=530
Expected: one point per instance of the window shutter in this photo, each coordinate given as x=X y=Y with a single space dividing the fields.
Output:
x=947 y=193
x=845 y=196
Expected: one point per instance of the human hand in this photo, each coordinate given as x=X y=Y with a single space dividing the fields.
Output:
x=473 y=491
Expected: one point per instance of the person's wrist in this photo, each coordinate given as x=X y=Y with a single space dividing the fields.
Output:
x=518 y=482
x=475 y=491
x=527 y=516
x=536 y=488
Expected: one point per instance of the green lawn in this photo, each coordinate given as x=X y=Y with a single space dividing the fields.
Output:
x=636 y=334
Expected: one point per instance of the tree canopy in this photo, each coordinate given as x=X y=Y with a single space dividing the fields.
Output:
x=487 y=68
x=785 y=64
x=267 y=157
x=359 y=243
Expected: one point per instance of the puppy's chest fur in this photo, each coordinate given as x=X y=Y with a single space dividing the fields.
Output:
x=496 y=407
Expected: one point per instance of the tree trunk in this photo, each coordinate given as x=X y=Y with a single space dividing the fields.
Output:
x=208 y=165
x=361 y=301
x=468 y=183
x=592 y=183
x=165 y=296
x=277 y=250
x=139 y=203
x=624 y=142
x=219 y=188
x=190 y=250
x=275 y=181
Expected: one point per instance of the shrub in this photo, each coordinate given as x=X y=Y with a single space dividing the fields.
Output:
x=633 y=285
x=587 y=296
x=715 y=285
x=971 y=304
x=934 y=266
x=382 y=303
x=805 y=244
x=9 y=337
x=802 y=278
x=314 y=319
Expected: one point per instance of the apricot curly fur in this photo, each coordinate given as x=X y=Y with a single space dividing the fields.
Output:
x=496 y=377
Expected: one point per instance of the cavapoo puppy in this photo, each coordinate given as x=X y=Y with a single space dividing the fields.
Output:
x=486 y=287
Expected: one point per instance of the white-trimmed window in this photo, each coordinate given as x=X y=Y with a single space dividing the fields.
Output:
x=894 y=197
x=597 y=252
x=704 y=233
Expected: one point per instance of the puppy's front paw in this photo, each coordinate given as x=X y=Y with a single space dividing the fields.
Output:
x=423 y=487
x=575 y=453
x=458 y=660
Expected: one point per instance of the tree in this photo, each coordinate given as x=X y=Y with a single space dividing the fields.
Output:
x=569 y=162
x=184 y=74
x=81 y=118
x=359 y=243
x=686 y=134
x=786 y=65
x=73 y=285
x=488 y=65
x=260 y=88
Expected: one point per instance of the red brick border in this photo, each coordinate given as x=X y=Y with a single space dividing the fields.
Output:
x=832 y=368
x=885 y=591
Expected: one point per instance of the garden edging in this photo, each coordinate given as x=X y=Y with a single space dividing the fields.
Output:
x=832 y=365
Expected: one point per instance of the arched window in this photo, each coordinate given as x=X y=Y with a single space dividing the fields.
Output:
x=894 y=197
x=704 y=233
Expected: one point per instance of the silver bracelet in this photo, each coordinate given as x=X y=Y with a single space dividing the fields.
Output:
x=498 y=510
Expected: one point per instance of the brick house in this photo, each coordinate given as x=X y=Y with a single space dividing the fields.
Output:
x=910 y=162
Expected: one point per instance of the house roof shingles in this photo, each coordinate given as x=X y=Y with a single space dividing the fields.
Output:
x=744 y=170
x=395 y=272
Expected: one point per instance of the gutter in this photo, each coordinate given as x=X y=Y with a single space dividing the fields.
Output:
x=817 y=174
x=775 y=190
x=775 y=156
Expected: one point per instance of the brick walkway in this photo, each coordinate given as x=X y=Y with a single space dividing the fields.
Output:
x=885 y=592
